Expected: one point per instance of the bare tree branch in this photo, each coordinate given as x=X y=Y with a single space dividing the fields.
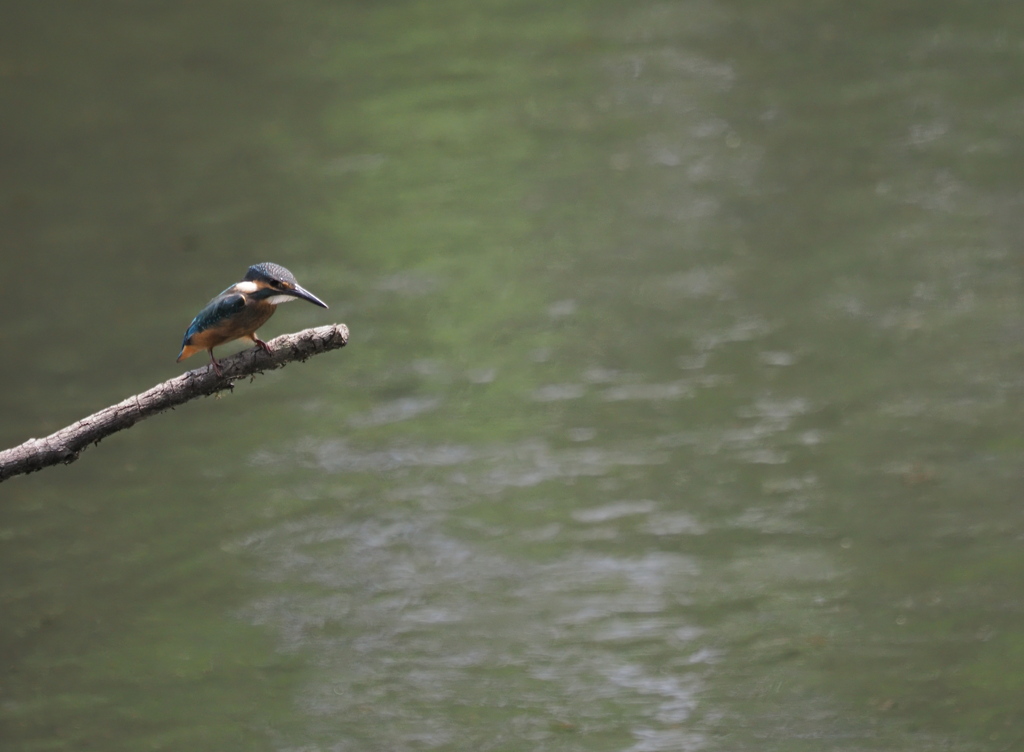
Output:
x=65 y=445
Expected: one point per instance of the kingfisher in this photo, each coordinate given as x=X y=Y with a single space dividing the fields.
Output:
x=242 y=309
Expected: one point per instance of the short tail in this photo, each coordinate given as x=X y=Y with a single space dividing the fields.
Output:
x=187 y=352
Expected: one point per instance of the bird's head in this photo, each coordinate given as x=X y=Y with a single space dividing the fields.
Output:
x=276 y=285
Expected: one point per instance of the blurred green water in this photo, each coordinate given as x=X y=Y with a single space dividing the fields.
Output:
x=681 y=408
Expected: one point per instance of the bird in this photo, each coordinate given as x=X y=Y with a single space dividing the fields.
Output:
x=242 y=309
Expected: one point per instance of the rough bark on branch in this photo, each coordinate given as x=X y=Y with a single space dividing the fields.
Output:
x=65 y=445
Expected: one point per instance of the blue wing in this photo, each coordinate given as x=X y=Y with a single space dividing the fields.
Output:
x=218 y=309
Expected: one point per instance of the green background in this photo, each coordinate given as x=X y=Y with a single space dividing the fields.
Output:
x=682 y=408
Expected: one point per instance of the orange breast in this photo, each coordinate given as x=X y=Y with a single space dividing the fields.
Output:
x=242 y=324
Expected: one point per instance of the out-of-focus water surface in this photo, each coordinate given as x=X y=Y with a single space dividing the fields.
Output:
x=682 y=409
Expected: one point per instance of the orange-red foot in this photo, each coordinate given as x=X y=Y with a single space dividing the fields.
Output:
x=216 y=365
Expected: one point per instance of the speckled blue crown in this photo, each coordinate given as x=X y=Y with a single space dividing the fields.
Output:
x=268 y=271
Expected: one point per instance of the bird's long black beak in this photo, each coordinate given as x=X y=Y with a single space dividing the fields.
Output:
x=304 y=294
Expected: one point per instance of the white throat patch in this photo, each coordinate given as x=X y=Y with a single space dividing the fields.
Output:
x=279 y=299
